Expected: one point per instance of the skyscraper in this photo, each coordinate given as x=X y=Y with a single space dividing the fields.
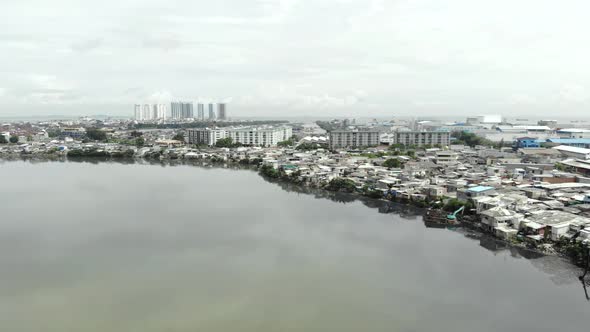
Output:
x=201 y=112
x=221 y=111
x=180 y=110
x=187 y=110
x=160 y=111
x=146 y=113
x=137 y=112
x=211 y=112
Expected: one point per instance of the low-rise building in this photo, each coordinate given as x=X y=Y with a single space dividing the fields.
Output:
x=75 y=133
x=574 y=152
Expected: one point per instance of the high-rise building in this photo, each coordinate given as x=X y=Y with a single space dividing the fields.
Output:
x=146 y=113
x=137 y=112
x=201 y=112
x=221 y=111
x=181 y=110
x=211 y=112
x=159 y=111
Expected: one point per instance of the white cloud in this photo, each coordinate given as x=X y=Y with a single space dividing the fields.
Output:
x=274 y=57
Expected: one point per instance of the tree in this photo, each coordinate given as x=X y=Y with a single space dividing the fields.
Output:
x=392 y=163
x=225 y=143
x=341 y=185
x=136 y=133
x=140 y=141
x=286 y=143
x=13 y=139
x=178 y=137
x=3 y=139
x=29 y=138
x=308 y=146
x=96 y=134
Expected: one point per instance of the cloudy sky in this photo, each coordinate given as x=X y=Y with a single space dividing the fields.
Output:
x=297 y=57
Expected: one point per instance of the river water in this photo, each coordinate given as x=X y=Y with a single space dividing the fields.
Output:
x=138 y=247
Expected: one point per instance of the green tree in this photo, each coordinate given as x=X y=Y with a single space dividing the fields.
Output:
x=136 y=133
x=392 y=163
x=96 y=134
x=286 y=143
x=140 y=141
x=341 y=185
x=178 y=137
x=227 y=142
x=13 y=139
x=3 y=139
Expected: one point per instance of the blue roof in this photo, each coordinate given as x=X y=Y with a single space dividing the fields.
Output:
x=570 y=140
x=479 y=189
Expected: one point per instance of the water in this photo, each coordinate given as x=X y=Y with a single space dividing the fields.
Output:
x=124 y=248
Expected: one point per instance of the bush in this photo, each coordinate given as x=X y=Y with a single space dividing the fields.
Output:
x=96 y=134
x=341 y=185
x=392 y=163
x=269 y=171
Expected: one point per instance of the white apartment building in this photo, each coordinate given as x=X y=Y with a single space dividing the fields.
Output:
x=418 y=138
x=353 y=138
x=149 y=112
x=252 y=136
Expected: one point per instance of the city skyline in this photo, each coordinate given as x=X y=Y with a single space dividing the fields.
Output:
x=283 y=57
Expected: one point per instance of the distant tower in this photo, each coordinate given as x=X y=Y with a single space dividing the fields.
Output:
x=221 y=115
x=201 y=112
x=146 y=113
x=211 y=112
x=181 y=110
x=137 y=112
x=160 y=111
x=187 y=110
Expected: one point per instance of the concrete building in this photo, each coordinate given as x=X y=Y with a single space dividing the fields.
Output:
x=160 y=112
x=181 y=110
x=576 y=142
x=574 y=152
x=418 y=138
x=221 y=115
x=211 y=112
x=146 y=112
x=527 y=142
x=137 y=114
x=205 y=136
x=447 y=157
x=75 y=133
x=251 y=136
x=354 y=138
x=573 y=133
x=201 y=112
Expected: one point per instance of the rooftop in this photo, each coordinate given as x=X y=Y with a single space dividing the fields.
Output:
x=479 y=189
x=572 y=149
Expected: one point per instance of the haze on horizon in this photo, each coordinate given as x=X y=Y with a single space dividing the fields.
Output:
x=297 y=57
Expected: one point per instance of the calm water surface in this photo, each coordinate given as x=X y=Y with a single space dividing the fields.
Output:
x=125 y=248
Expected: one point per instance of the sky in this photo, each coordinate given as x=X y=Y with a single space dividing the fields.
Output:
x=297 y=57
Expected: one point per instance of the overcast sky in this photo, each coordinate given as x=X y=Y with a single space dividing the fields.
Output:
x=297 y=57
